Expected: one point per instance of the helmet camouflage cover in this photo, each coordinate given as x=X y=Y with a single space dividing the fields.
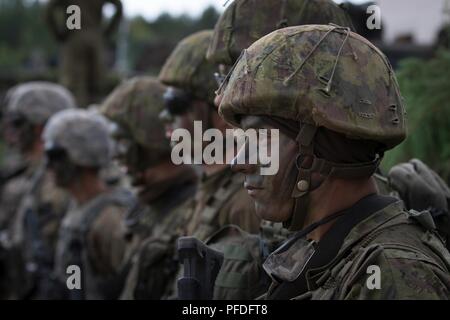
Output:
x=326 y=76
x=83 y=135
x=245 y=21
x=187 y=67
x=38 y=101
x=135 y=106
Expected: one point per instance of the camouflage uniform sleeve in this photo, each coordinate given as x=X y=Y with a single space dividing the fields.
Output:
x=240 y=211
x=404 y=275
x=106 y=241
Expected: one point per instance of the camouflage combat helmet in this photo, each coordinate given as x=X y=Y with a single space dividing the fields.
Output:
x=245 y=21
x=83 y=135
x=135 y=106
x=187 y=67
x=38 y=101
x=321 y=76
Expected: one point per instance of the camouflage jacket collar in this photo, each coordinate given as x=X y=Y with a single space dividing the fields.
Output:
x=359 y=234
x=304 y=264
x=373 y=222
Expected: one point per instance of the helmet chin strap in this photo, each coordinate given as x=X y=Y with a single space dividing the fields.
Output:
x=302 y=184
x=307 y=163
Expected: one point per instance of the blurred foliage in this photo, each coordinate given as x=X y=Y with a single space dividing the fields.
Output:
x=26 y=44
x=425 y=86
x=24 y=39
x=29 y=52
x=150 y=42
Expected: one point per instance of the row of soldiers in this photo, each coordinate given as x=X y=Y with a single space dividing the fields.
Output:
x=308 y=232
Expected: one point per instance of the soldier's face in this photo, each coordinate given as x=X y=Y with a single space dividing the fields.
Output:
x=271 y=193
x=180 y=121
x=197 y=111
x=63 y=170
x=19 y=133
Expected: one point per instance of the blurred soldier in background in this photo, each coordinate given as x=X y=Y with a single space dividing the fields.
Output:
x=92 y=234
x=242 y=23
x=190 y=97
x=31 y=206
x=220 y=200
x=329 y=198
x=83 y=58
x=165 y=190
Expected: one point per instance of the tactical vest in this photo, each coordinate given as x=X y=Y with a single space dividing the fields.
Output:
x=156 y=254
x=230 y=184
x=241 y=276
x=74 y=240
x=34 y=233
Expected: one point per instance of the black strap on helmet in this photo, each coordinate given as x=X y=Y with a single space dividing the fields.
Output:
x=325 y=168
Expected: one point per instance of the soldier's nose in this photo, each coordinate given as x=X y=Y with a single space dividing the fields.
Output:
x=242 y=166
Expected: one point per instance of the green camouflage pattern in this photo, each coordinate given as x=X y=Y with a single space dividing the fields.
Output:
x=155 y=253
x=289 y=74
x=135 y=106
x=84 y=135
x=241 y=276
x=245 y=21
x=187 y=67
x=413 y=262
x=38 y=101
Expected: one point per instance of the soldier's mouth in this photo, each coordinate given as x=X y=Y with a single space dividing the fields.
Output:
x=252 y=190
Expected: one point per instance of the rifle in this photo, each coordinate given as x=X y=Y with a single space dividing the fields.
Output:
x=201 y=266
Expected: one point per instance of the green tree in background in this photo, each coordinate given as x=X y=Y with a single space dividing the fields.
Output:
x=425 y=86
x=24 y=38
x=26 y=45
x=151 y=42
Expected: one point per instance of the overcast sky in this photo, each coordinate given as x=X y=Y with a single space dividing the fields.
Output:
x=152 y=8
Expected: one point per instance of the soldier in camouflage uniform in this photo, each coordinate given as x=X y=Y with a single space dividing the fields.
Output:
x=92 y=234
x=242 y=23
x=190 y=97
x=326 y=88
x=165 y=190
x=83 y=57
x=220 y=200
x=31 y=206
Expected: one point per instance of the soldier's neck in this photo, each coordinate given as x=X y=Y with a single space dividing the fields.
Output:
x=87 y=188
x=333 y=196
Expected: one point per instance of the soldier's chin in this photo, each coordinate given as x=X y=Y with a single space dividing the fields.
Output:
x=263 y=212
x=272 y=211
